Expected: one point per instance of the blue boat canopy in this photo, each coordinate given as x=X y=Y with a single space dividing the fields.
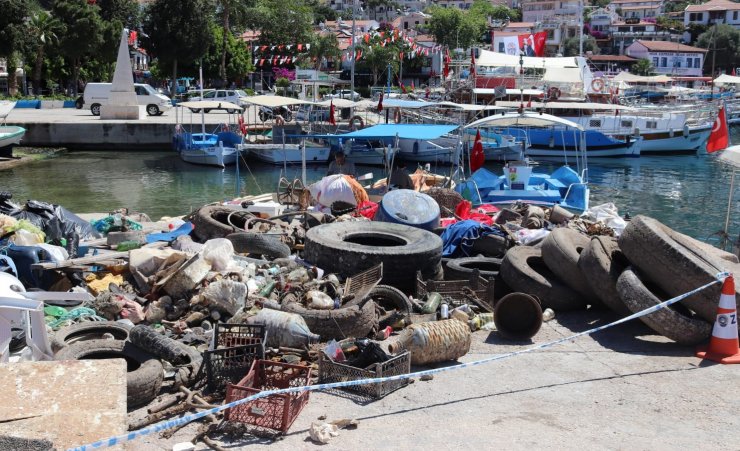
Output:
x=403 y=131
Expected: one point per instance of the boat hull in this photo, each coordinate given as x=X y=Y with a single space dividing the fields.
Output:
x=212 y=156
x=369 y=157
x=663 y=142
x=289 y=153
x=10 y=136
x=422 y=151
x=558 y=145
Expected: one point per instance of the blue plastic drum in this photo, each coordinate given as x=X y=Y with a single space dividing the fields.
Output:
x=408 y=207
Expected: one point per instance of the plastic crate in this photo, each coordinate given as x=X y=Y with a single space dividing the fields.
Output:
x=232 y=335
x=330 y=371
x=452 y=290
x=276 y=412
x=227 y=365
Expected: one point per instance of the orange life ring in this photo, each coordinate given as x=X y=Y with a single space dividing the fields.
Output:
x=397 y=116
x=597 y=84
x=554 y=93
x=356 y=120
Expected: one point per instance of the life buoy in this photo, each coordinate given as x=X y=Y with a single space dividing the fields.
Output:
x=597 y=84
x=356 y=123
x=553 y=93
x=279 y=120
x=397 y=116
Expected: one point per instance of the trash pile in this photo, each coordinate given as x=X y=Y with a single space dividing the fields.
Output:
x=225 y=302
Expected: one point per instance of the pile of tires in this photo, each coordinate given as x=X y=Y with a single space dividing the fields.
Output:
x=648 y=264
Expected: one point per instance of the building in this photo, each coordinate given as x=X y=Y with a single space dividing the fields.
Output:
x=411 y=21
x=713 y=12
x=549 y=10
x=361 y=26
x=601 y=19
x=670 y=58
x=611 y=64
x=624 y=33
x=381 y=12
x=639 y=9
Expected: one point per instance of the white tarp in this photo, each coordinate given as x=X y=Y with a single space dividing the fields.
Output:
x=563 y=75
x=526 y=119
x=209 y=105
x=726 y=80
x=632 y=78
x=494 y=59
x=275 y=101
x=338 y=103
x=569 y=106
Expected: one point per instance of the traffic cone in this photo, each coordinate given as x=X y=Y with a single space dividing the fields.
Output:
x=723 y=346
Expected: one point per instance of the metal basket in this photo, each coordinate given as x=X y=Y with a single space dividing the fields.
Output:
x=275 y=412
x=231 y=335
x=227 y=365
x=330 y=371
x=452 y=290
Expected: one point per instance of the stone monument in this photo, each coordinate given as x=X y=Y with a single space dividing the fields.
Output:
x=122 y=102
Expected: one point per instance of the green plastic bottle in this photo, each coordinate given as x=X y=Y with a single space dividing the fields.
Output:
x=128 y=245
x=432 y=303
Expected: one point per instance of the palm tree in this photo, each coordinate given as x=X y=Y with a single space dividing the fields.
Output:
x=324 y=46
x=43 y=30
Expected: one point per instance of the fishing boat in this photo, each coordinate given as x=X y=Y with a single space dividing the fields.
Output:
x=217 y=147
x=519 y=181
x=368 y=152
x=10 y=135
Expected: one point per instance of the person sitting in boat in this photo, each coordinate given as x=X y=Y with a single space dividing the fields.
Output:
x=340 y=165
x=400 y=178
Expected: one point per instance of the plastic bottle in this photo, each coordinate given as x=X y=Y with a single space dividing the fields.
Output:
x=444 y=310
x=284 y=329
x=432 y=303
x=267 y=288
x=127 y=246
x=548 y=315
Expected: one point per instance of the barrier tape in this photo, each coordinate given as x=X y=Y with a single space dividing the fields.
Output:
x=112 y=441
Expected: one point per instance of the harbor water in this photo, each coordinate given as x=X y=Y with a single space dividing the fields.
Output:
x=689 y=192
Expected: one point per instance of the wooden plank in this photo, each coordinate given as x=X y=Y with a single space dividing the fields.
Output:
x=92 y=259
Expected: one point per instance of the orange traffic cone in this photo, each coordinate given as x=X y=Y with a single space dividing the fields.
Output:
x=723 y=347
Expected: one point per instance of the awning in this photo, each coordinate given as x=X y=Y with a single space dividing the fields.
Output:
x=526 y=119
x=632 y=78
x=494 y=59
x=563 y=75
x=209 y=105
x=338 y=103
x=569 y=106
x=275 y=101
x=509 y=92
x=726 y=80
x=403 y=131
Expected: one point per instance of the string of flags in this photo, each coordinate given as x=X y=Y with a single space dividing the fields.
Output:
x=281 y=47
x=277 y=55
x=415 y=50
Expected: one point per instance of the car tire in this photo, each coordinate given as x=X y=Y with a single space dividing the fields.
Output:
x=90 y=330
x=463 y=268
x=674 y=322
x=95 y=109
x=347 y=248
x=145 y=374
x=187 y=359
x=561 y=250
x=524 y=270
x=601 y=263
x=152 y=110
x=354 y=321
x=211 y=221
x=257 y=243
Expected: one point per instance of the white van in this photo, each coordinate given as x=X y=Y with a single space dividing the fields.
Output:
x=96 y=94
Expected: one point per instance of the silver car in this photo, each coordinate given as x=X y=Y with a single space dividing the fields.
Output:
x=235 y=96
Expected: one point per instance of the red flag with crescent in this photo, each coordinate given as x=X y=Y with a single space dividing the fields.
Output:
x=719 y=138
x=477 y=157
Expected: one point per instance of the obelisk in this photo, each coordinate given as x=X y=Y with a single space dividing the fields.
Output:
x=122 y=102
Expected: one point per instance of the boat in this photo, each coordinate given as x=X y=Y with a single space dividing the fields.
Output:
x=498 y=145
x=217 y=147
x=558 y=143
x=368 y=152
x=10 y=135
x=287 y=153
x=565 y=186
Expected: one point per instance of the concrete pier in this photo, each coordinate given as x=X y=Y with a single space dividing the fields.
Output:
x=80 y=130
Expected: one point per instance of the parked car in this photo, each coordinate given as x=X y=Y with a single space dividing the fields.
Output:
x=235 y=96
x=267 y=113
x=344 y=94
x=96 y=95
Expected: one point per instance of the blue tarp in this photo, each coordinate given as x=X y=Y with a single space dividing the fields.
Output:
x=403 y=103
x=403 y=131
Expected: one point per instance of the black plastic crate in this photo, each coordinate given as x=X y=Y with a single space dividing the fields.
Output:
x=330 y=371
x=230 y=365
x=233 y=335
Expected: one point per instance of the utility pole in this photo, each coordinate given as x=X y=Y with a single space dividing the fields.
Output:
x=580 y=27
x=354 y=55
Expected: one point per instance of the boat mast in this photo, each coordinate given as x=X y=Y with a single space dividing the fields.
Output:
x=202 y=110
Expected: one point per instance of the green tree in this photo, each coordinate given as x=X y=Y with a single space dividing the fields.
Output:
x=126 y=12
x=282 y=21
x=453 y=28
x=323 y=47
x=43 y=32
x=179 y=31
x=571 y=47
x=674 y=6
x=12 y=17
x=233 y=16
x=238 y=57
x=378 y=58
x=81 y=33
x=321 y=11
x=666 y=23
x=643 y=67
x=726 y=40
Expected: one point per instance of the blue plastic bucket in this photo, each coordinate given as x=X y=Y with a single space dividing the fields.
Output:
x=408 y=207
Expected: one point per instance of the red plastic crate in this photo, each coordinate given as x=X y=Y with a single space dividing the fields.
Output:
x=276 y=412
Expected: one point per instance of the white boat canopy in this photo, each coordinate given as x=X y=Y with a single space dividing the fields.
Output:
x=563 y=75
x=632 y=78
x=525 y=119
x=209 y=105
x=495 y=59
x=731 y=155
x=569 y=106
x=6 y=108
x=275 y=101
x=338 y=103
x=725 y=79
x=509 y=92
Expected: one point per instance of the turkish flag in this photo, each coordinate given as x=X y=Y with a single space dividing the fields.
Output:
x=332 y=121
x=719 y=139
x=472 y=62
x=380 y=102
x=477 y=157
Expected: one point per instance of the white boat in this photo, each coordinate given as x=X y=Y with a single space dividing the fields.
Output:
x=10 y=135
x=368 y=153
x=275 y=153
x=215 y=148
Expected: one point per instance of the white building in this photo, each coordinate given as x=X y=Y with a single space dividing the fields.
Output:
x=624 y=34
x=670 y=58
x=713 y=12
x=549 y=10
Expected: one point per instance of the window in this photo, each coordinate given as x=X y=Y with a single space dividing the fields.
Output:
x=663 y=61
x=655 y=61
x=595 y=123
x=696 y=17
x=140 y=91
x=734 y=15
x=651 y=124
x=677 y=63
x=209 y=95
x=697 y=62
x=638 y=29
x=501 y=48
x=627 y=124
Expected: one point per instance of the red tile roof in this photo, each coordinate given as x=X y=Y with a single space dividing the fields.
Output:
x=616 y=58
x=714 y=5
x=665 y=46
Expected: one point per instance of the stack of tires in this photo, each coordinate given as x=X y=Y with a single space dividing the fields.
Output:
x=648 y=264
